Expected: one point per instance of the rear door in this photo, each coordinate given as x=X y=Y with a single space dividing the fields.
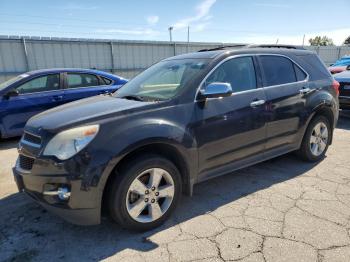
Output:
x=232 y=128
x=286 y=86
x=82 y=85
x=35 y=95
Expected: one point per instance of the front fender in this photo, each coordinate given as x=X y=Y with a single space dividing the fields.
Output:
x=141 y=132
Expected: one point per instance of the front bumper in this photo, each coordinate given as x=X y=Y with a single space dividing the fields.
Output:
x=78 y=209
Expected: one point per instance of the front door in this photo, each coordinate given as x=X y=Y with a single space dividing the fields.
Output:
x=36 y=95
x=232 y=128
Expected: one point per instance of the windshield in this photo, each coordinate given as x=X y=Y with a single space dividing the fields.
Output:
x=11 y=81
x=163 y=80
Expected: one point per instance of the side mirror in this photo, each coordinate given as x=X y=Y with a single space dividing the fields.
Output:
x=348 y=67
x=215 y=90
x=11 y=93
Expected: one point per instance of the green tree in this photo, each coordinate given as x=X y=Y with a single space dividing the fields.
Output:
x=347 y=41
x=321 y=41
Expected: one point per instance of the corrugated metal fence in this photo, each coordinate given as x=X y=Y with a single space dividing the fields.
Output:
x=125 y=58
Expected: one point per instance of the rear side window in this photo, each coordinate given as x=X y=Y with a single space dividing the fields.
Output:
x=75 y=80
x=277 y=70
x=40 y=84
x=239 y=72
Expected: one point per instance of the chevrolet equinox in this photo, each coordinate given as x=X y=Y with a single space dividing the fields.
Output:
x=184 y=120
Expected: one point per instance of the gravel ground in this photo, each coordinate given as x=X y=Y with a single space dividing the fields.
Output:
x=279 y=210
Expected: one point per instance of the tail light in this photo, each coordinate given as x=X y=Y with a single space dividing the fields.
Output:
x=336 y=86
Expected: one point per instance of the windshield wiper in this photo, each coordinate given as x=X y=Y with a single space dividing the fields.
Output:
x=133 y=97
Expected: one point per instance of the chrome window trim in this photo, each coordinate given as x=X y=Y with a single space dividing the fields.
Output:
x=251 y=55
x=80 y=87
x=42 y=92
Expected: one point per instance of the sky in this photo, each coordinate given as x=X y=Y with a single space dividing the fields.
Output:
x=229 y=21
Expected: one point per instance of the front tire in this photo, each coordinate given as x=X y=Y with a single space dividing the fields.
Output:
x=316 y=140
x=145 y=193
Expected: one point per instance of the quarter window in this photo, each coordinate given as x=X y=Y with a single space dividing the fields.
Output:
x=106 y=81
x=277 y=70
x=40 y=84
x=75 y=80
x=300 y=74
x=239 y=72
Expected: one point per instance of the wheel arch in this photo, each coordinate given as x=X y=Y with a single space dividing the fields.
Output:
x=166 y=149
x=324 y=109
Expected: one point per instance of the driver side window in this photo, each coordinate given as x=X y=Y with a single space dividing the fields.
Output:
x=40 y=84
x=239 y=72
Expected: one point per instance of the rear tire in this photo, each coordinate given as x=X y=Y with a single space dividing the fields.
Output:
x=145 y=193
x=316 y=140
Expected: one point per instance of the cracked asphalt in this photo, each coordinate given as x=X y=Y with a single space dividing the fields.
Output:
x=280 y=210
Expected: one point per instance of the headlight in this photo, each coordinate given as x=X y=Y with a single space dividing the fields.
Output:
x=69 y=142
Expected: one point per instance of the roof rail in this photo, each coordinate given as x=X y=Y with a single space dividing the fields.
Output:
x=222 y=47
x=277 y=46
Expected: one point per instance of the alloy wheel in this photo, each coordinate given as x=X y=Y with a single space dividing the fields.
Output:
x=319 y=139
x=150 y=195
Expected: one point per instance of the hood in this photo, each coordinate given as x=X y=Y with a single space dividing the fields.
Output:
x=343 y=76
x=83 y=111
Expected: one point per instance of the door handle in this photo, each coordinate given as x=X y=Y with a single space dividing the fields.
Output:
x=57 y=98
x=304 y=91
x=257 y=103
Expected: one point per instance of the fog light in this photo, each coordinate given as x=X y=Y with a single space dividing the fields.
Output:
x=63 y=193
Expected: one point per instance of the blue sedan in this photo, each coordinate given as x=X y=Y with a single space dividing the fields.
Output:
x=33 y=92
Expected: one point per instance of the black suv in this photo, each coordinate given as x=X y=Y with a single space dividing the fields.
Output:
x=184 y=120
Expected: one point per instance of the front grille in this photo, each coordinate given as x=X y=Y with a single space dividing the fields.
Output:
x=31 y=138
x=25 y=162
x=342 y=90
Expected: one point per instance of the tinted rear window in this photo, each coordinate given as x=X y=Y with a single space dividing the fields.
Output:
x=277 y=70
x=75 y=80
